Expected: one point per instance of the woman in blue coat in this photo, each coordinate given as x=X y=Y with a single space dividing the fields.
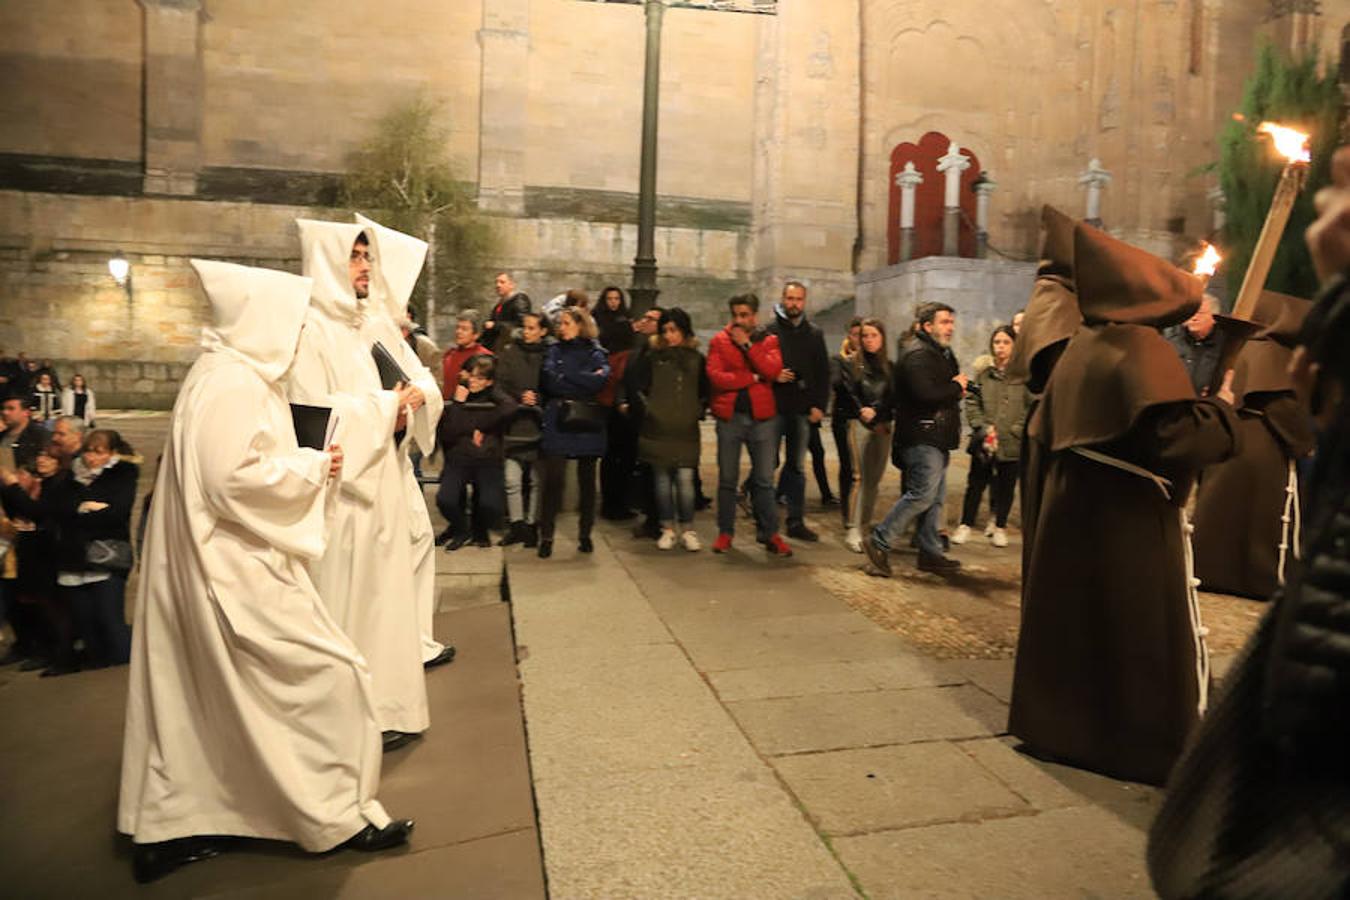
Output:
x=575 y=369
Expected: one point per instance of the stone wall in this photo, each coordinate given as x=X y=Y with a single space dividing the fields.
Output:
x=985 y=294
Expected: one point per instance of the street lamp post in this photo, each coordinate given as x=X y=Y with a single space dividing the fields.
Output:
x=644 y=290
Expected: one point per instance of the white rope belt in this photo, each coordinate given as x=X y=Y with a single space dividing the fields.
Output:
x=1291 y=522
x=1198 y=631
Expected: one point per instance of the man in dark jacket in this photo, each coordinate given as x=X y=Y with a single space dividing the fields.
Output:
x=1197 y=344
x=928 y=391
x=505 y=315
x=801 y=393
x=24 y=438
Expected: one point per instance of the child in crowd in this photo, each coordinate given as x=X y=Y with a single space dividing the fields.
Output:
x=470 y=436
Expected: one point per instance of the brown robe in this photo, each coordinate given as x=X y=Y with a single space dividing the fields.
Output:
x=1110 y=671
x=1242 y=503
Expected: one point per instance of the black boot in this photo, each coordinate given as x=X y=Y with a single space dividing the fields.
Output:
x=584 y=544
x=371 y=839
x=150 y=862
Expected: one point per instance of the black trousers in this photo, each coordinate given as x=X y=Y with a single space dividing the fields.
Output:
x=1000 y=476
x=839 y=428
x=489 y=498
x=816 y=448
x=616 y=468
x=553 y=469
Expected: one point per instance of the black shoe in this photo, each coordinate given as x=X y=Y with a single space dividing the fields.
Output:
x=584 y=545
x=446 y=655
x=455 y=543
x=444 y=536
x=32 y=664
x=829 y=500
x=150 y=862
x=531 y=536
x=371 y=839
x=939 y=565
x=701 y=503
x=393 y=740
x=482 y=540
x=54 y=671
x=618 y=515
x=799 y=531
x=878 y=556
x=545 y=548
x=515 y=534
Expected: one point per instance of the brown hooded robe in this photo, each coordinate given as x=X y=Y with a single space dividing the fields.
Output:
x=1111 y=671
x=1240 y=513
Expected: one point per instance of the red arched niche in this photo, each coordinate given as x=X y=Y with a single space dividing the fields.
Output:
x=929 y=197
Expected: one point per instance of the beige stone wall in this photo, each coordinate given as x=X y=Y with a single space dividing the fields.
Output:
x=71 y=89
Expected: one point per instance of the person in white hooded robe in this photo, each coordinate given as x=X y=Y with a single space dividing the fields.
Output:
x=366 y=573
x=400 y=257
x=249 y=711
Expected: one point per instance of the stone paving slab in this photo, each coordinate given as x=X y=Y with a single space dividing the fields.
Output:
x=1083 y=852
x=837 y=722
x=745 y=645
x=703 y=831
x=828 y=678
x=859 y=791
x=993 y=675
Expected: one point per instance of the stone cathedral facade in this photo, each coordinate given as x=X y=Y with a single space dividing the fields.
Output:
x=166 y=129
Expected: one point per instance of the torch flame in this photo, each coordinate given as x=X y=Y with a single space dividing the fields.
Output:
x=1208 y=262
x=1291 y=144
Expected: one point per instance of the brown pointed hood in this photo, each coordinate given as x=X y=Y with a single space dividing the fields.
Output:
x=1124 y=285
x=1263 y=365
x=1052 y=315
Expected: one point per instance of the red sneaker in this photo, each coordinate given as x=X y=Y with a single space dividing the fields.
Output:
x=722 y=544
x=777 y=546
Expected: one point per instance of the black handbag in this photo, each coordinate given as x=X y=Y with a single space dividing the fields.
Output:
x=581 y=415
x=108 y=554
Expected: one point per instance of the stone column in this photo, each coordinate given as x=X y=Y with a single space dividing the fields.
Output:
x=985 y=186
x=908 y=180
x=173 y=96
x=1218 y=205
x=644 y=290
x=952 y=165
x=1095 y=179
x=505 y=41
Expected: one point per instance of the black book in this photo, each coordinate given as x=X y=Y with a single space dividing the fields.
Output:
x=391 y=373
x=311 y=425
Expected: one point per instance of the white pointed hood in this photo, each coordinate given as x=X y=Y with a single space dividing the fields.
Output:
x=398 y=262
x=325 y=252
x=256 y=314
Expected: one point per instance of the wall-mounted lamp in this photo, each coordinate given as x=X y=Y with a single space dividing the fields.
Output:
x=120 y=269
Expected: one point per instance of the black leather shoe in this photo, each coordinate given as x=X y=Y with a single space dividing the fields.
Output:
x=446 y=655
x=878 y=556
x=393 y=740
x=584 y=545
x=545 y=548
x=531 y=533
x=482 y=540
x=455 y=543
x=443 y=536
x=371 y=839
x=150 y=862
x=701 y=503
x=55 y=671
x=938 y=565
x=515 y=534
x=799 y=531
x=829 y=500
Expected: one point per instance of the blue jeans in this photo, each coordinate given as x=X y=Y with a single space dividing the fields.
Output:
x=925 y=489
x=761 y=439
x=100 y=619
x=674 y=495
x=795 y=431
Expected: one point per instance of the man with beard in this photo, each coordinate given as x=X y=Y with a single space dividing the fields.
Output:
x=802 y=394
x=249 y=712
x=929 y=386
x=400 y=262
x=1111 y=671
x=366 y=574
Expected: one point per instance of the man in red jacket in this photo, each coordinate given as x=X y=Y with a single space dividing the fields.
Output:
x=743 y=363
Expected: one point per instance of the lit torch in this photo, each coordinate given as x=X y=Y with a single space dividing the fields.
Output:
x=1207 y=263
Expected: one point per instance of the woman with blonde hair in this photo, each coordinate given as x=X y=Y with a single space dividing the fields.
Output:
x=863 y=399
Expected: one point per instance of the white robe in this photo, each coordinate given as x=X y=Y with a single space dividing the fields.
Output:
x=366 y=574
x=249 y=711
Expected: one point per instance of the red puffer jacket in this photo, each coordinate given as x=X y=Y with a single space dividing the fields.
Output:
x=731 y=370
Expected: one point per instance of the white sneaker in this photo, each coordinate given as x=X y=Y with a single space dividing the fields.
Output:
x=853 y=540
x=960 y=535
x=691 y=541
x=989 y=529
x=999 y=538
x=667 y=539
